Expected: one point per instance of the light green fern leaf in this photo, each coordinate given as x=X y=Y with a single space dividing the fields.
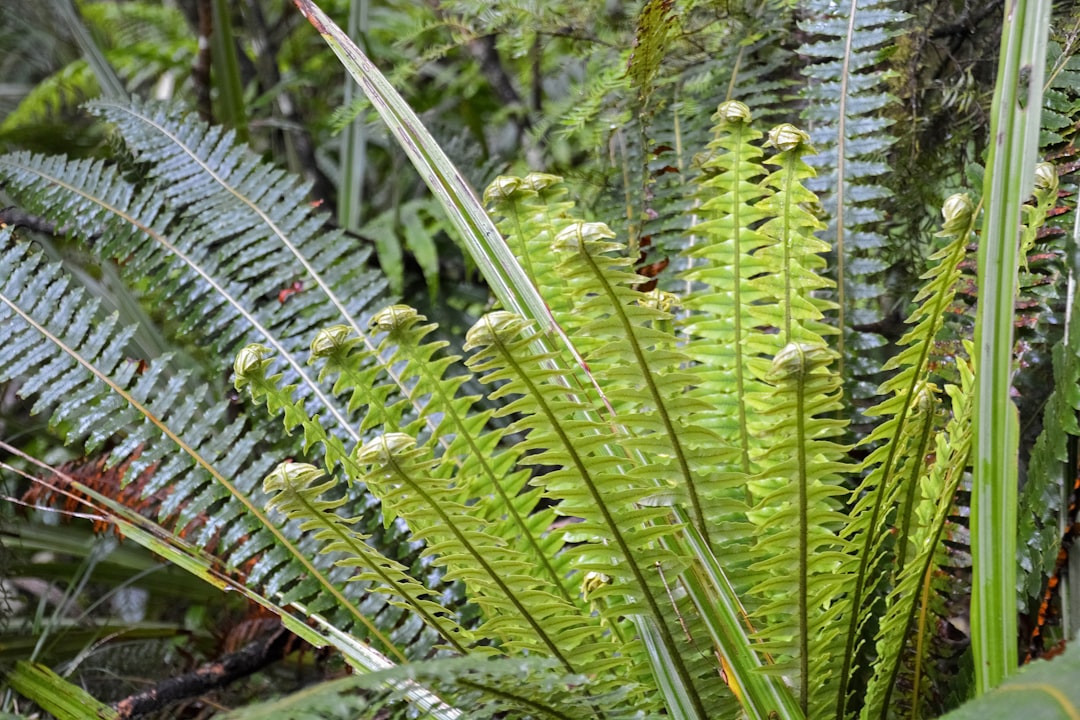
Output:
x=899 y=434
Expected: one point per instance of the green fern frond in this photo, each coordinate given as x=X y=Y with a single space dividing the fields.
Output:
x=1044 y=498
x=620 y=525
x=720 y=323
x=250 y=370
x=533 y=212
x=67 y=356
x=910 y=615
x=799 y=520
x=489 y=688
x=522 y=609
x=848 y=109
x=293 y=491
x=518 y=607
x=247 y=212
x=628 y=342
x=795 y=255
x=904 y=428
x=651 y=41
x=488 y=482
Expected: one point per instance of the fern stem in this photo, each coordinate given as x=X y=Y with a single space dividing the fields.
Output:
x=256 y=512
x=523 y=251
x=917 y=460
x=737 y=303
x=613 y=527
x=785 y=241
x=804 y=541
x=922 y=608
x=654 y=391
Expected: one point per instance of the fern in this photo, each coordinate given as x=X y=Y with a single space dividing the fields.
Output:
x=533 y=213
x=520 y=609
x=803 y=514
x=725 y=263
x=902 y=436
x=489 y=688
x=1043 y=500
x=293 y=491
x=77 y=362
x=143 y=42
x=910 y=608
x=848 y=113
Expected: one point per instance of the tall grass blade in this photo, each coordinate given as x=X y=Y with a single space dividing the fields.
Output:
x=1010 y=167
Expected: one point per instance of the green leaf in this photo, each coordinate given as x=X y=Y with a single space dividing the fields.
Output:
x=56 y=695
x=1043 y=690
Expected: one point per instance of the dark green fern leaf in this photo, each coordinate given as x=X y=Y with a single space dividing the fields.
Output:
x=848 y=110
x=77 y=364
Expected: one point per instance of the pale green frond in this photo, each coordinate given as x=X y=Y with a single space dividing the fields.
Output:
x=903 y=427
x=292 y=490
x=722 y=267
x=910 y=615
x=799 y=519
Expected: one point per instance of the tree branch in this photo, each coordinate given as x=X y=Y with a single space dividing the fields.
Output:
x=229 y=668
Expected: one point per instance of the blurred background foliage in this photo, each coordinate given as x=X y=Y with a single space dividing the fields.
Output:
x=505 y=86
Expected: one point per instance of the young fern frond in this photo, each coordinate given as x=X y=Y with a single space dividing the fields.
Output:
x=533 y=212
x=293 y=490
x=487 y=481
x=518 y=608
x=906 y=622
x=645 y=377
x=720 y=322
x=799 y=520
x=795 y=257
x=524 y=611
x=620 y=525
x=250 y=369
x=897 y=434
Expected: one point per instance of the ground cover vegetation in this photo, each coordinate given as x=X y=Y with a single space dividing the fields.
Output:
x=745 y=386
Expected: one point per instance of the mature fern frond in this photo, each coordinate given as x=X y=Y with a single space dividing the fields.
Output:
x=1044 y=498
x=67 y=356
x=847 y=114
x=224 y=247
